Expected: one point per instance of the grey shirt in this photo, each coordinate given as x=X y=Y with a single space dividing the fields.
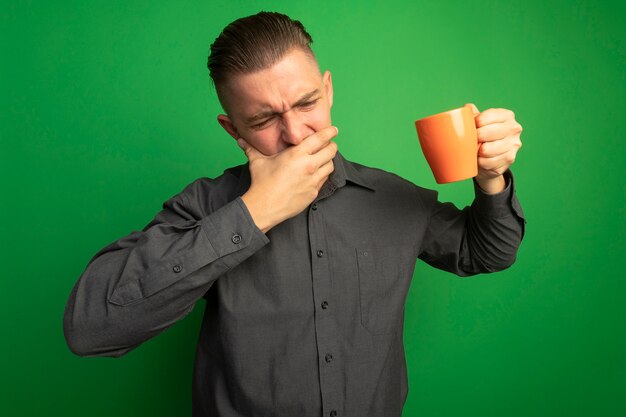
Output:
x=305 y=320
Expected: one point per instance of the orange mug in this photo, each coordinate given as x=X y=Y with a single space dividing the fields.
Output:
x=450 y=144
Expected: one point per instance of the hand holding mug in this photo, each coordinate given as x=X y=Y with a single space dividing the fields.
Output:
x=465 y=143
x=498 y=135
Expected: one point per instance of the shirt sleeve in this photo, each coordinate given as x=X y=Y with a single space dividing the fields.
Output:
x=483 y=237
x=141 y=284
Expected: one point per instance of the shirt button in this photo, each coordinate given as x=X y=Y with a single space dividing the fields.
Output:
x=177 y=268
x=320 y=253
x=333 y=413
x=236 y=238
x=329 y=358
x=314 y=206
x=324 y=305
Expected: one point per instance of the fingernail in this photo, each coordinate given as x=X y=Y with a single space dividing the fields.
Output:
x=337 y=129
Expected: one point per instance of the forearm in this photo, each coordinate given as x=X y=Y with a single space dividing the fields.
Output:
x=496 y=225
x=481 y=238
x=140 y=285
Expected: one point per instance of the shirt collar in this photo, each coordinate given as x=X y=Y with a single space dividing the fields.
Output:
x=345 y=171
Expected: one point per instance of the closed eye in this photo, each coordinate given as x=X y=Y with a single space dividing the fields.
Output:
x=263 y=124
x=307 y=105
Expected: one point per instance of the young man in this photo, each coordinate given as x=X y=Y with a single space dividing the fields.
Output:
x=303 y=257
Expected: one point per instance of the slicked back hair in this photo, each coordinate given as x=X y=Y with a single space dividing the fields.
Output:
x=254 y=43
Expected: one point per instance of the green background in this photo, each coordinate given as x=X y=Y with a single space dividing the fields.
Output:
x=107 y=111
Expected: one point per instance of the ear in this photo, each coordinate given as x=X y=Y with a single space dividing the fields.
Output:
x=228 y=125
x=328 y=85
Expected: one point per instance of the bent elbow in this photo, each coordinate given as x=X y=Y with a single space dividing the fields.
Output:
x=499 y=263
x=84 y=346
x=77 y=344
x=89 y=341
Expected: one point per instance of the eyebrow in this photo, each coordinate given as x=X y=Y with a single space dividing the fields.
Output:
x=266 y=113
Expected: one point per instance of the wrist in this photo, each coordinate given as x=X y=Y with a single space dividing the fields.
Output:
x=493 y=185
x=258 y=212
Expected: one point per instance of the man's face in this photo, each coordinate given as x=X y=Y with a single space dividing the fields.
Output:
x=278 y=107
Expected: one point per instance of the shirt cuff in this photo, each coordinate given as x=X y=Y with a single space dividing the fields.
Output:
x=232 y=231
x=497 y=205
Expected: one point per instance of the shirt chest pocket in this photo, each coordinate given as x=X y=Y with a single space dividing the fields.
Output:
x=383 y=285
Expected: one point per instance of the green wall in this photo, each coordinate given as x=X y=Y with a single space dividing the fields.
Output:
x=107 y=111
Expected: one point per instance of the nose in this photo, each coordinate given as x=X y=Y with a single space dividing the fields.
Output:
x=294 y=129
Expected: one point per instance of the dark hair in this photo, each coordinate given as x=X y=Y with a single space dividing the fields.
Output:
x=256 y=42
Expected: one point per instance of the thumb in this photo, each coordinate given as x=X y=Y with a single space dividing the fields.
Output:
x=249 y=150
x=474 y=109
